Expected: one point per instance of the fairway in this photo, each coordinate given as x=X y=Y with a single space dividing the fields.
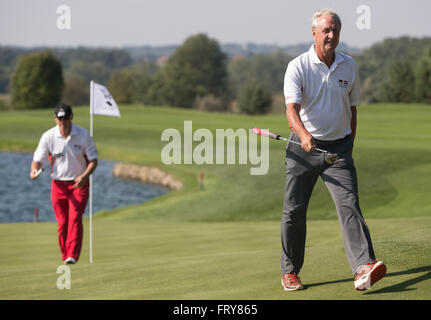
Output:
x=223 y=242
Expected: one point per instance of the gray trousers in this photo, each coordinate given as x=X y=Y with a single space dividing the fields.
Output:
x=302 y=171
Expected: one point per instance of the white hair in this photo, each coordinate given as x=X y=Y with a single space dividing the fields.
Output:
x=324 y=12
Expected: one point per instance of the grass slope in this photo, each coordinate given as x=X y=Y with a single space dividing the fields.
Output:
x=223 y=242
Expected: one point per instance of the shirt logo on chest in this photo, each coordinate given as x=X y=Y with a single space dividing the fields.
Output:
x=77 y=147
x=343 y=83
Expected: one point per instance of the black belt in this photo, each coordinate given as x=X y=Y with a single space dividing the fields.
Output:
x=329 y=142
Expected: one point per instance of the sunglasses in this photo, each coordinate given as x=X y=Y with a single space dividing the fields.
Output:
x=63 y=118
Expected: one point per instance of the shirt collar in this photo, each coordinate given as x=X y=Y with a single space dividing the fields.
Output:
x=73 y=131
x=315 y=59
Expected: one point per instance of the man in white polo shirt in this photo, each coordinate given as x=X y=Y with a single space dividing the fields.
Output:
x=321 y=88
x=73 y=157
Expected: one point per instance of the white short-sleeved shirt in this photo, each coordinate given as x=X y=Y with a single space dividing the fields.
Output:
x=325 y=94
x=77 y=149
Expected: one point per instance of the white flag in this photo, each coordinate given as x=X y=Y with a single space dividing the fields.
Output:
x=102 y=102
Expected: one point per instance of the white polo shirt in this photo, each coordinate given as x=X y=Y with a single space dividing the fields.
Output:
x=325 y=94
x=76 y=149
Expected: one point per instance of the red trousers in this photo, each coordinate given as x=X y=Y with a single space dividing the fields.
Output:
x=69 y=206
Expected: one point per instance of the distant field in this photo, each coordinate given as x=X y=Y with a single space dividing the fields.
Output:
x=205 y=239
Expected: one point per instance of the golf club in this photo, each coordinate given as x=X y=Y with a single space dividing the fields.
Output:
x=330 y=158
x=54 y=157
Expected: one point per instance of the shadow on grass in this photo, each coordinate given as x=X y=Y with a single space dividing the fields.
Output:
x=403 y=286
x=399 y=287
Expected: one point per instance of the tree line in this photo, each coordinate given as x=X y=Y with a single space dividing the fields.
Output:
x=396 y=70
x=198 y=74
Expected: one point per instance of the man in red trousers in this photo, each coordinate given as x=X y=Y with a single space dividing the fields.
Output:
x=73 y=157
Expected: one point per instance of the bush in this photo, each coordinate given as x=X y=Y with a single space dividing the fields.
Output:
x=254 y=98
x=38 y=81
x=4 y=102
x=211 y=103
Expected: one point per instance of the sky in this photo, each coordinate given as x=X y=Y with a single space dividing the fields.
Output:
x=117 y=23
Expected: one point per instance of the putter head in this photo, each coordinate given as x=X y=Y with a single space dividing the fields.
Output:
x=330 y=158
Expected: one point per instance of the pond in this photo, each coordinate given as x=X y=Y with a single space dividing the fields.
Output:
x=20 y=196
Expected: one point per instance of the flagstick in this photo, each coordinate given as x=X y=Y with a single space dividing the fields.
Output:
x=91 y=176
x=101 y=102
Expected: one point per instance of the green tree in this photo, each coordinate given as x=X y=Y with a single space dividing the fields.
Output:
x=254 y=98
x=375 y=62
x=129 y=86
x=155 y=93
x=37 y=81
x=120 y=85
x=4 y=78
x=423 y=77
x=400 y=84
x=197 y=68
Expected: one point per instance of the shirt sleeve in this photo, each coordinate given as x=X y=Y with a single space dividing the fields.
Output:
x=42 y=150
x=354 y=94
x=292 y=84
x=90 y=148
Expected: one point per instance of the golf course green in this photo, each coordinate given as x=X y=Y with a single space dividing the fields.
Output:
x=223 y=241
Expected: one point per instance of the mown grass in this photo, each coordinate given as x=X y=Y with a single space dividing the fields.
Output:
x=223 y=241
x=201 y=260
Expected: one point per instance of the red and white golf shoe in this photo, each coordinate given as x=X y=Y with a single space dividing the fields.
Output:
x=291 y=282
x=369 y=274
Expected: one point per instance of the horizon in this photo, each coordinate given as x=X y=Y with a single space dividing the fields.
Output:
x=161 y=23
